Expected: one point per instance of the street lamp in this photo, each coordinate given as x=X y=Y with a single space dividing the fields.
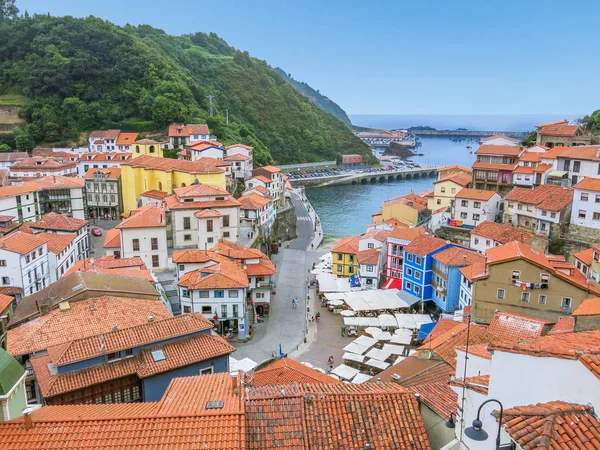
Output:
x=450 y=423
x=477 y=433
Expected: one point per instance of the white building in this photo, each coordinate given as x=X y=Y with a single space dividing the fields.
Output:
x=488 y=234
x=256 y=209
x=276 y=184
x=42 y=166
x=20 y=201
x=370 y=265
x=205 y=149
x=201 y=215
x=103 y=140
x=241 y=166
x=465 y=295
x=63 y=195
x=105 y=160
x=578 y=162
x=63 y=224
x=7 y=159
x=144 y=234
x=474 y=206
x=181 y=135
x=62 y=253
x=586 y=204
x=24 y=262
x=500 y=139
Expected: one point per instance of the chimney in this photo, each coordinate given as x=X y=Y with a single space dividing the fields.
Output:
x=234 y=382
x=27 y=417
x=418 y=397
x=150 y=319
x=115 y=327
x=379 y=380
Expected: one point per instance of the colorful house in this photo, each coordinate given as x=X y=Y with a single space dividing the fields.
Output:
x=446 y=188
x=396 y=241
x=147 y=147
x=12 y=387
x=344 y=257
x=409 y=209
x=418 y=265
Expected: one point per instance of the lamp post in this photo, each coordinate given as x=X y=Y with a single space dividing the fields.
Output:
x=451 y=422
x=477 y=433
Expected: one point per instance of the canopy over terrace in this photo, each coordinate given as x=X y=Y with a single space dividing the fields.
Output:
x=412 y=321
x=375 y=300
x=331 y=283
x=345 y=372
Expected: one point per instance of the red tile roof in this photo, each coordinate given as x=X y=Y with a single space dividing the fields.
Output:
x=516 y=250
x=369 y=256
x=526 y=170
x=173 y=202
x=271 y=169
x=531 y=157
x=192 y=256
x=236 y=251
x=58 y=182
x=159 y=195
x=126 y=138
x=59 y=222
x=585 y=256
x=588 y=184
x=494 y=166
x=107 y=265
x=508 y=326
x=460 y=178
x=559 y=130
x=261 y=178
x=168 y=165
x=424 y=245
x=404 y=233
x=479 y=350
x=287 y=371
x=478 y=384
x=416 y=201
x=378 y=235
x=57 y=242
x=20 y=242
x=552 y=425
x=441 y=327
x=549 y=197
x=18 y=189
x=588 y=152
x=264 y=191
x=247 y=147
x=5 y=301
x=439 y=397
x=112 y=239
x=503 y=150
x=459 y=257
x=566 y=324
x=110 y=172
x=149 y=216
x=236 y=157
x=253 y=201
x=207 y=214
x=347 y=245
x=83 y=318
x=475 y=194
x=186 y=130
x=225 y=274
x=473 y=271
x=589 y=307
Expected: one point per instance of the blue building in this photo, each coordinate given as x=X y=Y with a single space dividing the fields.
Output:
x=446 y=275
x=131 y=364
x=418 y=265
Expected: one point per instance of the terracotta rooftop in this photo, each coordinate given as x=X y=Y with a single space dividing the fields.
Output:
x=475 y=194
x=552 y=425
x=236 y=251
x=424 y=245
x=369 y=256
x=494 y=166
x=158 y=195
x=524 y=170
x=5 y=301
x=287 y=371
x=566 y=324
x=347 y=245
x=149 y=216
x=253 y=201
x=459 y=257
x=406 y=233
x=110 y=172
x=109 y=265
x=479 y=350
x=587 y=152
x=264 y=191
x=18 y=189
x=84 y=318
x=478 y=384
x=501 y=136
x=530 y=157
x=57 y=242
x=585 y=256
x=441 y=327
x=236 y=157
x=58 y=182
x=588 y=184
x=439 y=397
x=125 y=139
x=20 y=242
x=547 y=196
x=416 y=201
x=59 y=222
x=200 y=190
x=271 y=169
x=473 y=271
x=247 y=147
x=516 y=250
x=559 y=130
x=460 y=178
x=503 y=150
x=589 y=307
x=168 y=165
x=438 y=372
x=173 y=202
x=455 y=166
x=207 y=214
x=261 y=178
x=112 y=238
x=192 y=256
x=225 y=274
x=176 y=130
x=508 y=326
x=13 y=156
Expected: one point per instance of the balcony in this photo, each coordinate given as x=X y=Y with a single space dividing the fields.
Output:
x=438 y=287
x=440 y=273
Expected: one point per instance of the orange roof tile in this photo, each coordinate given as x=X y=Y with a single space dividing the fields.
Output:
x=556 y=122
x=549 y=197
x=5 y=301
x=475 y=194
x=84 y=318
x=159 y=195
x=542 y=168
x=424 y=245
x=185 y=130
x=441 y=327
x=531 y=157
x=503 y=150
x=126 y=138
x=261 y=178
x=110 y=172
x=207 y=214
x=501 y=136
x=473 y=271
x=18 y=189
x=253 y=201
x=585 y=256
x=588 y=152
x=559 y=130
x=130 y=267
x=59 y=222
x=413 y=372
x=59 y=182
x=455 y=166
x=263 y=268
x=589 y=184
x=517 y=250
x=460 y=178
x=347 y=245
x=508 y=326
x=112 y=239
x=479 y=383
x=566 y=324
x=225 y=274
x=552 y=425
x=439 y=397
x=200 y=190
x=379 y=235
x=260 y=189
x=240 y=145
x=524 y=170
x=57 y=242
x=406 y=233
x=173 y=202
x=20 y=242
x=458 y=256
x=168 y=165
x=494 y=166
x=192 y=256
x=271 y=169
x=236 y=251
x=479 y=350
x=369 y=256
x=286 y=371
x=501 y=232
x=589 y=307
x=149 y=216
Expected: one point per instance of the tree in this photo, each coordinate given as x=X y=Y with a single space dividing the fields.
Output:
x=530 y=140
x=5 y=148
x=591 y=123
x=556 y=246
x=24 y=140
x=8 y=9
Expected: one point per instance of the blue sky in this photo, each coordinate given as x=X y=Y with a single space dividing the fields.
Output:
x=399 y=57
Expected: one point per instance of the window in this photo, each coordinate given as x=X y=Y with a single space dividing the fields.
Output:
x=186 y=223
x=553 y=215
x=233 y=294
x=544 y=278
x=417 y=290
x=185 y=292
x=209 y=225
x=339 y=268
x=464 y=215
x=597 y=198
x=542 y=299
x=155 y=262
x=181 y=267
x=203 y=294
x=408 y=271
x=135 y=392
x=2 y=263
x=442 y=190
x=114 y=356
x=154 y=243
x=226 y=220
x=488 y=242
x=210 y=240
x=339 y=256
x=501 y=293
x=477 y=205
x=206 y=309
x=350 y=269
x=136 y=245
x=410 y=257
x=369 y=268
x=187 y=237
x=235 y=310
x=581 y=214
x=219 y=293
x=224 y=311
x=226 y=234
x=117 y=397
x=544 y=213
x=5 y=280
x=453 y=190
x=129 y=352
x=407 y=285
x=476 y=240
x=418 y=275
x=187 y=309
x=566 y=302
x=438 y=201
x=418 y=260
x=371 y=245
x=206 y=371
x=584 y=197
x=516 y=275
x=596 y=216
x=519 y=206
x=525 y=297
x=475 y=216
x=576 y=166
x=464 y=203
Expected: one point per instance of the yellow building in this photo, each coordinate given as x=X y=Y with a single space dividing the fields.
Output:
x=147 y=173
x=344 y=257
x=408 y=209
x=446 y=188
x=146 y=147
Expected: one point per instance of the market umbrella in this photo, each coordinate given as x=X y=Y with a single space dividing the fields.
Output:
x=348 y=313
x=373 y=331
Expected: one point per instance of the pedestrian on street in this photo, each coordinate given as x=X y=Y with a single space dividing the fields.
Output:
x=248 y=235
x=312 y=246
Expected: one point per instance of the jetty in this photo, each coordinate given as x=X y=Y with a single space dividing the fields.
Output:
x=357 y=177
x=468 y=133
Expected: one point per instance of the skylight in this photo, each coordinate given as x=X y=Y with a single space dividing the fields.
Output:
x=158 y=355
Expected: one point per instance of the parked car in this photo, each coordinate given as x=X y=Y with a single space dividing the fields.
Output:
x=96 y=232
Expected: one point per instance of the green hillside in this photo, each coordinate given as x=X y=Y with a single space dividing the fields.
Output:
x=76 y=75
x=323 y=102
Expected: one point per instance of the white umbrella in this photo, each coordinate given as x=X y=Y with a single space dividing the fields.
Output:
x=318 y=369
x=348 y=313
x=335 y=302
x=373 y=331
x=307 y=364
x=384 y=336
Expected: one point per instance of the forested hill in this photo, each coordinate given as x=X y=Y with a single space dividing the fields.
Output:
x=323 y=102
x=77 y=75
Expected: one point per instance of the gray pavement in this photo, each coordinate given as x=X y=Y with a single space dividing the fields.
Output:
x=305 y=223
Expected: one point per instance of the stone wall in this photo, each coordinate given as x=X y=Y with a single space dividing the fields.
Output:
x=454 y=234
x=285 y=228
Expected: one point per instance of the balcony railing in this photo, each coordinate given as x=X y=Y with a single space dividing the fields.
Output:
x=438 y=287
x=439 y=273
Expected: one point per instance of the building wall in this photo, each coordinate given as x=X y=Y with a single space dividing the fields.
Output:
x=590 y=209
x=145 y=236
x=437 y=431
x=443 y=194
x=196 y=303
x=154 y=387
x=344 y=264
x=476 y=365
x=213 y=152
x=13 y=405
x=29 y=210
x=404 y=213
x=473 y=212
x=147 y=150
x=485 y=293
x=465 y=294
x=369 y=275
